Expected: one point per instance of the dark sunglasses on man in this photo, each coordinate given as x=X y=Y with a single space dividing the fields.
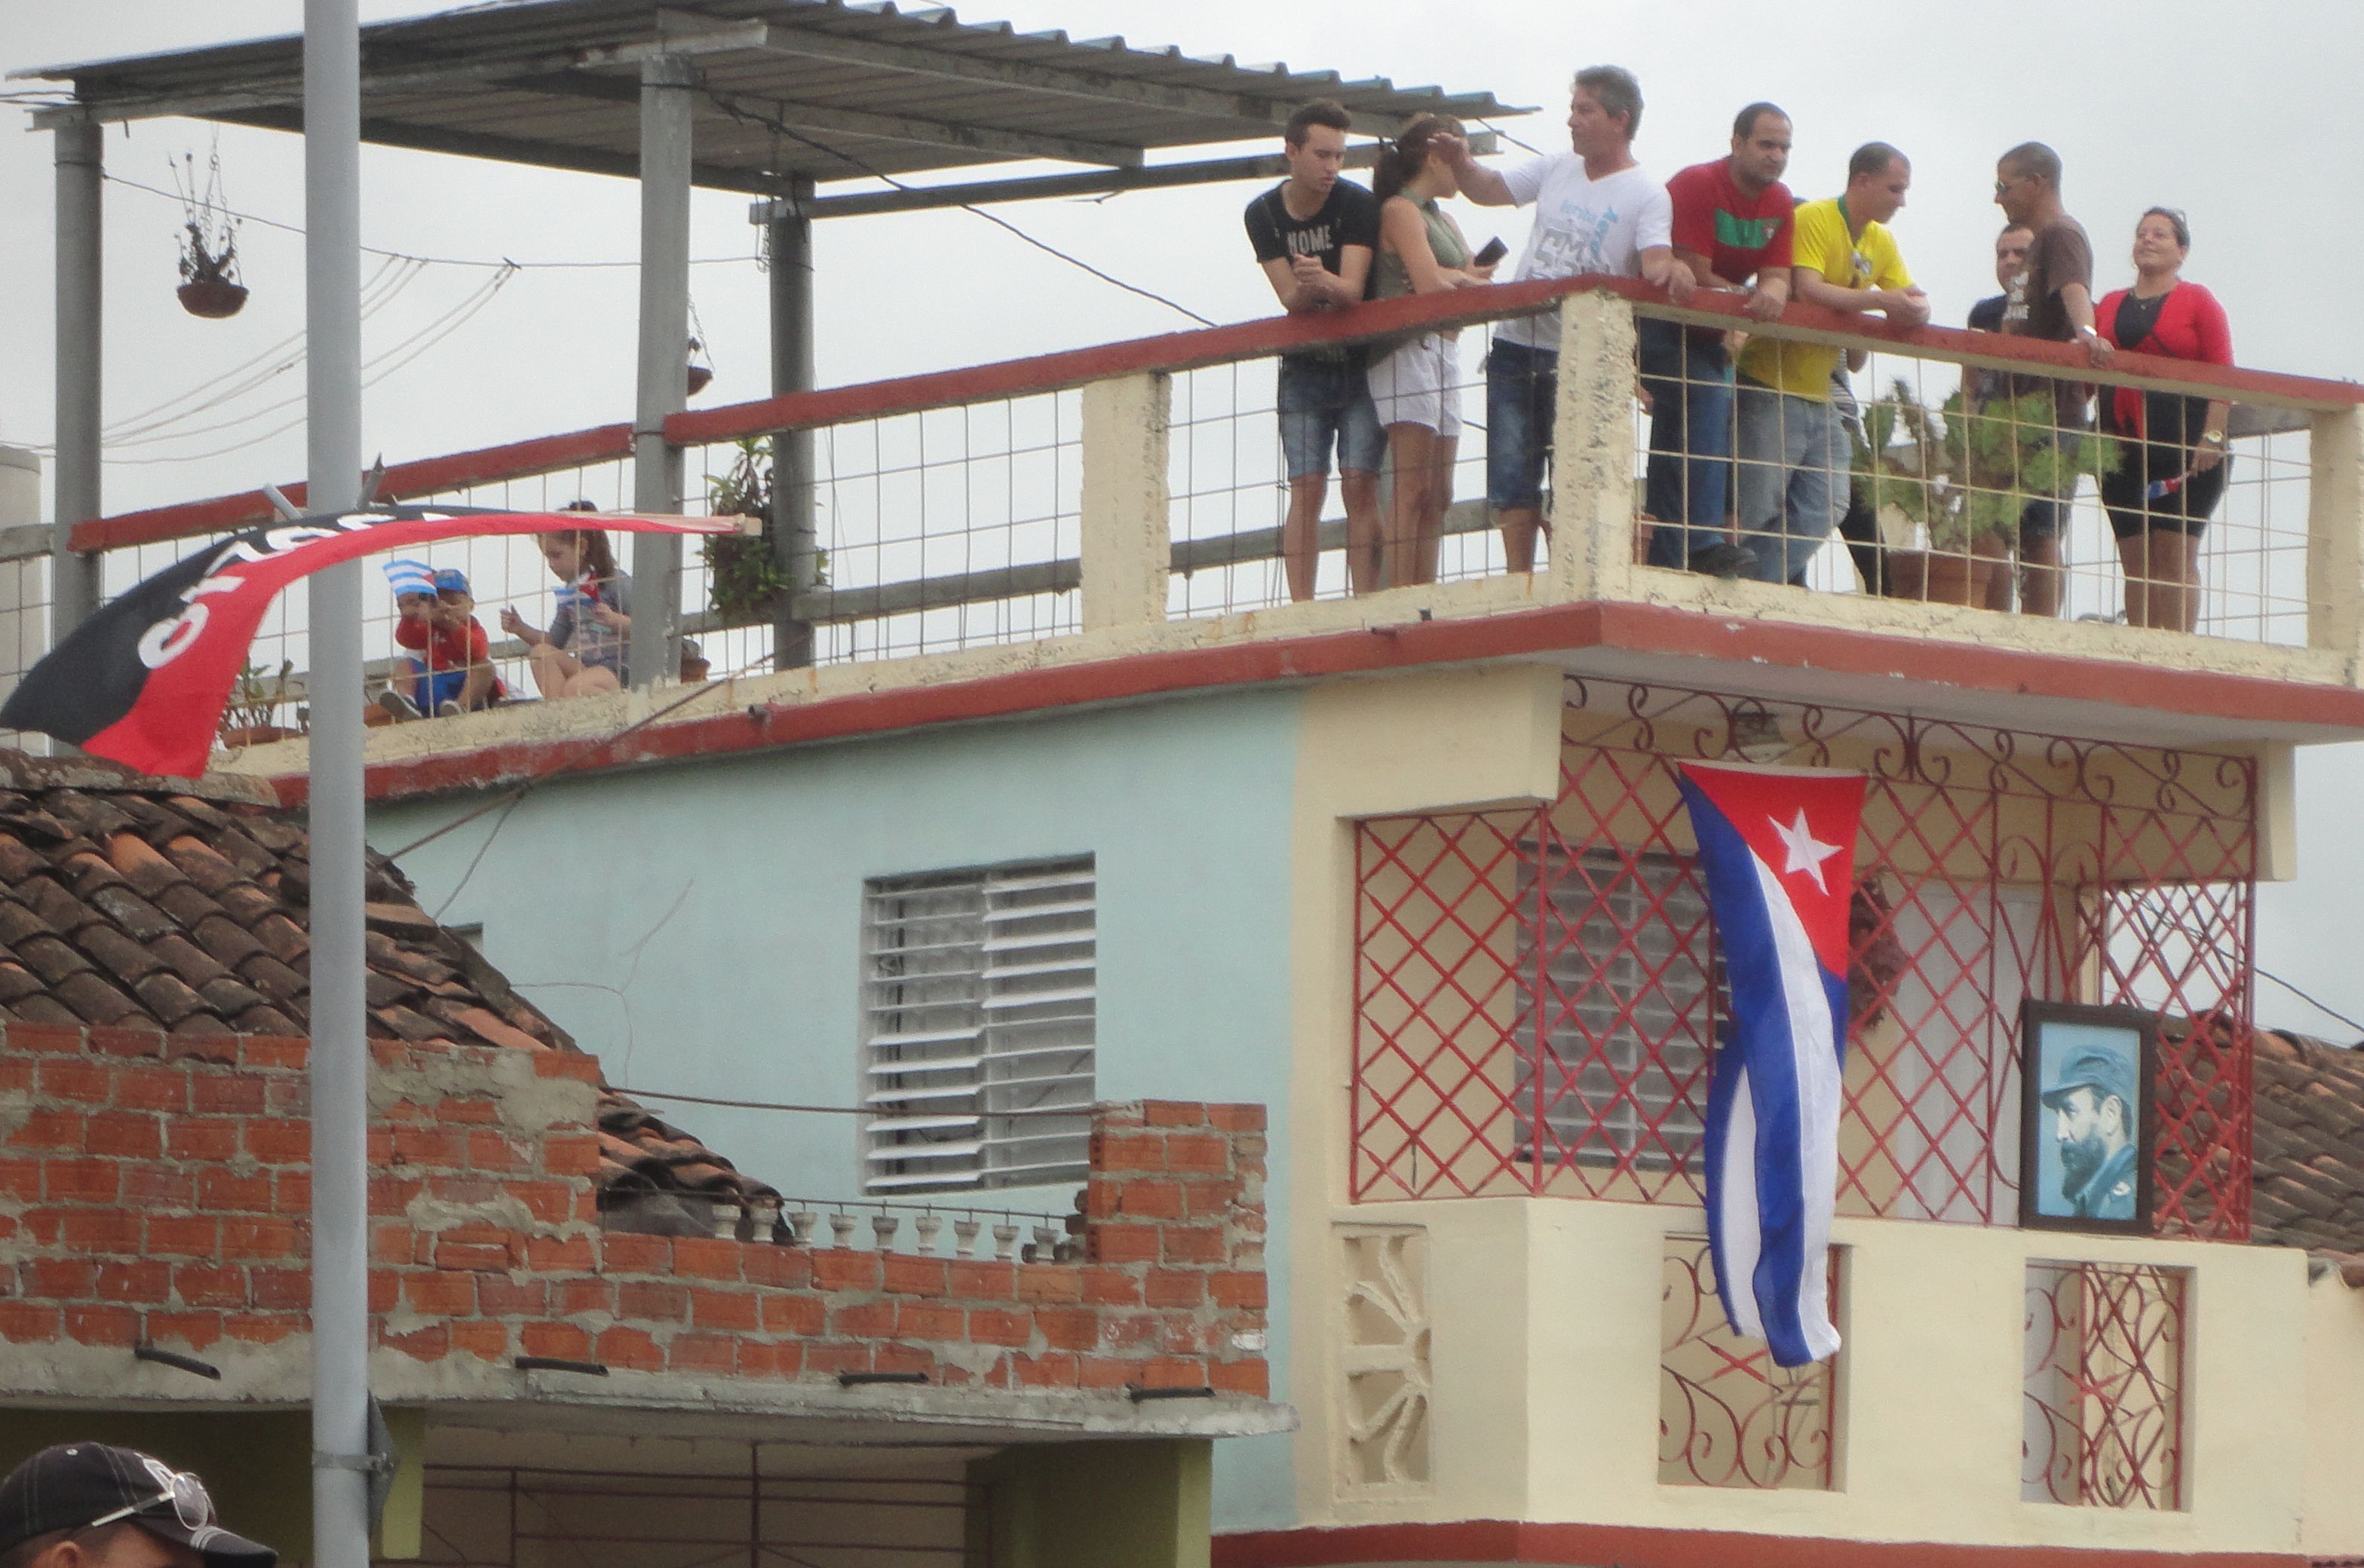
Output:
x=86 y=1485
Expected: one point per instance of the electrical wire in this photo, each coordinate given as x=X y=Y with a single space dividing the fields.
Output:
x=392 y=277
x=828 y=1110
x=432 y=260
x=2328 y=1012
x=409 y=350
x=736 y=109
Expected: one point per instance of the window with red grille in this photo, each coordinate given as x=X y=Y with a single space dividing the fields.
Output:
x=1534 y=988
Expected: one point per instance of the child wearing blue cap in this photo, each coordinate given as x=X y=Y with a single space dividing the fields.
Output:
x=436 y=617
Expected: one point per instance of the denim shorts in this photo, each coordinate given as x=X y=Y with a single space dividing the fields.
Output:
x=1522 y=400
x=1322 y=403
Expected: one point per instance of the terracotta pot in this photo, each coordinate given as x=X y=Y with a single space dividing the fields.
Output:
x=1950 y=578
x=254 y=735
x=212 y=298
x=1907 y=573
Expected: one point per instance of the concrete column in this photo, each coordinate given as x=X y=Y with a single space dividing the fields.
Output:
x=1126 y=548
x=81 y=175
x=24 y=617
x=2335 y=543
x=794 y=543
x=1592 y=457
x=663 y=368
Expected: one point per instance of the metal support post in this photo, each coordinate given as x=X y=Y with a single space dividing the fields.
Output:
x=339 y=1057
x=788 y=224
x=664 y=366
x=81 y=176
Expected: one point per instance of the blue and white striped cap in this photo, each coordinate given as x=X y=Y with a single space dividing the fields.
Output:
x=406 y=577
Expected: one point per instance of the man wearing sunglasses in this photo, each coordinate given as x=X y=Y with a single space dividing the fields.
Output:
x=89 y=1505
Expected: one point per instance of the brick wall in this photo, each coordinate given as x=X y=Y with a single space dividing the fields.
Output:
x=155 y=1189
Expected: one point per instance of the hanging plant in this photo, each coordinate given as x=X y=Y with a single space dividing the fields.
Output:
x=209 y=284
x=746 y=581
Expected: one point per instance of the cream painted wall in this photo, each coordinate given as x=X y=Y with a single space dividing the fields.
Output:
x=2334 y=1526
x=1545 y=1405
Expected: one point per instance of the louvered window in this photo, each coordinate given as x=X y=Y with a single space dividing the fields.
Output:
x=1628 y=995
x=978 y=1016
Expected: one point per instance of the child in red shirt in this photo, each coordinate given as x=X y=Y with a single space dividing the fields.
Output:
x=437 y=618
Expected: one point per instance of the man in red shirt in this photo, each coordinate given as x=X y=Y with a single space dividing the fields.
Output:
x=1732 y=229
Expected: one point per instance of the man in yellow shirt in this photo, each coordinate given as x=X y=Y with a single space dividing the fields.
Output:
x=1794 y=462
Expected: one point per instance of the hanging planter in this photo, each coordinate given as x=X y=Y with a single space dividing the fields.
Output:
x=209 y=285
x=213 y=298
x=700 y=372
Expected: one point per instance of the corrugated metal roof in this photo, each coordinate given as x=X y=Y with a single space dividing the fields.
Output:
x=823 y=89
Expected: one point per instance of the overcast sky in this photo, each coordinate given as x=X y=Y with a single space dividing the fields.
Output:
x=2248 y=120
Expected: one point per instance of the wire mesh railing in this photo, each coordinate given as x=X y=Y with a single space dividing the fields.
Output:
x=959 y=510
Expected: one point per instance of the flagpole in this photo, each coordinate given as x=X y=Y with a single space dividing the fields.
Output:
x=340 y=1061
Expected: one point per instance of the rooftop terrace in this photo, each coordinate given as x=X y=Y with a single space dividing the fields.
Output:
x=1103 y=524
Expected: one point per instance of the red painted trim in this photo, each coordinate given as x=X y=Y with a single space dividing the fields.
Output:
x=1646 y=629
x=426 y=476
x=1172 y=351
x=1462 y=307
x=1639 y=1546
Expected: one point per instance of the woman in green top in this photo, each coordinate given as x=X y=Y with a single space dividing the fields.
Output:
x=1417 y=384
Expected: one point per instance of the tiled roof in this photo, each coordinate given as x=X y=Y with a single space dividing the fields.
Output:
x=2310 y=1147
x=139 y=903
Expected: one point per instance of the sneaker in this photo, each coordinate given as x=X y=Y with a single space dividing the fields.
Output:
x=449 y=709
x=398 y=704
x=1725 y=561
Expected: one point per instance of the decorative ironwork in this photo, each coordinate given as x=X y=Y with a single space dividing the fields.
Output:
x=1728 y=1416
x=2105 y=1386
x=1535 y=994
x=1384 y=1359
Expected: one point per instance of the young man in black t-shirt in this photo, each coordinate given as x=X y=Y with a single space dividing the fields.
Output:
x=1314 y=234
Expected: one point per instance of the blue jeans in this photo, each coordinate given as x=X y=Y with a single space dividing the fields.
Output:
x=1689 y=378
x=1794 y=471
x=1522 y=401
x=1322 y=402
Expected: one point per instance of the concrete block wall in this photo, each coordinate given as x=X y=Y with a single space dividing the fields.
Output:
x=155 y=1189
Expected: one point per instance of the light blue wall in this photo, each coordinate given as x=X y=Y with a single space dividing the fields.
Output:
x=750 y=988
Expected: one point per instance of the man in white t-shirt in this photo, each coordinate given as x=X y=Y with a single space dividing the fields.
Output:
x=1596 y=211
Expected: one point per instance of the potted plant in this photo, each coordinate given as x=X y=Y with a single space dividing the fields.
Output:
x=209 y=285
x=1965 y=475
x=746 y=579
x=254 y=705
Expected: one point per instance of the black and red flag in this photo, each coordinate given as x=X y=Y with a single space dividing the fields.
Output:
x=144 y=680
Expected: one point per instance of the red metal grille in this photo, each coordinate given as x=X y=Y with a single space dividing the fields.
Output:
x=1538 y=991
x=1728 y=1416
x=2104 y=1416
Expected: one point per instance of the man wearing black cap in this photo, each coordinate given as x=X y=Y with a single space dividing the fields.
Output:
x=2093 y=1127
x=89 y=1505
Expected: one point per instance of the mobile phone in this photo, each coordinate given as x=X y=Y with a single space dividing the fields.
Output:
x=1494 y=252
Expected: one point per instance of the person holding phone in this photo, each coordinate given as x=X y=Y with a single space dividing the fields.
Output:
x=1417 y=384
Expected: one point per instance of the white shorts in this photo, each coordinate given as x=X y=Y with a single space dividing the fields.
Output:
x=1420 y=383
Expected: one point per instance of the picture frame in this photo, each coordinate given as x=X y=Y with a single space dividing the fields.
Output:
x=2082 y=1166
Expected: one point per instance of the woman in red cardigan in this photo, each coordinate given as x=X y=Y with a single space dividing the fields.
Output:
x=2172 y=473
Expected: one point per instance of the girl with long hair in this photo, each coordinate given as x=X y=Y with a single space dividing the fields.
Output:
x=584 y=649
x=1416 y=385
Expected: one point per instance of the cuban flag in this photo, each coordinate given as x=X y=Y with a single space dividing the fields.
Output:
x=1778 y=849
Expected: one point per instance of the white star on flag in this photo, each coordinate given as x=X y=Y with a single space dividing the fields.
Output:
x=1806 y=852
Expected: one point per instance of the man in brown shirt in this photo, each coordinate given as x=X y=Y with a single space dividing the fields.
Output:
x=2052 y=298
